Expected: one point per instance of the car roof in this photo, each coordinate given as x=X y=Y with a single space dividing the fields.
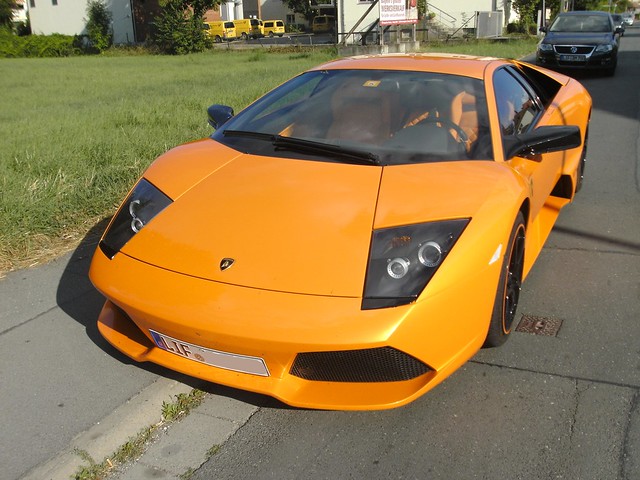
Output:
x=455 y=64
x=583 y=12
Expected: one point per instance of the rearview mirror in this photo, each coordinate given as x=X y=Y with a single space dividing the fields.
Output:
x=219 y=114
x=542 y=140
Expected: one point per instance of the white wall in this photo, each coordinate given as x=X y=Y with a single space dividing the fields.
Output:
x=350 y=12
x=69 y=17
x=20 y=13
x=462 y=10
x=451 y=13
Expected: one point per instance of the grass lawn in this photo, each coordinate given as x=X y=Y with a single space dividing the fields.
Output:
x=75 y=133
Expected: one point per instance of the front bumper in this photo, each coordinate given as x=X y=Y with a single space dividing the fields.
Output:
x=594 y=61
x=440 y=333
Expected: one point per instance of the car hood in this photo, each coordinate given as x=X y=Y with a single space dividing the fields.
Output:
x=561 y=38
x=293 y=225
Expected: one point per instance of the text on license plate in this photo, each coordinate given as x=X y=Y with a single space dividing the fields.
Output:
x=572 y=58
x=215 y=358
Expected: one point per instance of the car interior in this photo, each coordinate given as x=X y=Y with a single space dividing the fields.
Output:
x=435 y=115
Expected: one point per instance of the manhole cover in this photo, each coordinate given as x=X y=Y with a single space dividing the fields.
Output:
x=539 y=325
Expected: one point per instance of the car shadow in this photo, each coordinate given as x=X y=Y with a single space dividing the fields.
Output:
x=78 y=298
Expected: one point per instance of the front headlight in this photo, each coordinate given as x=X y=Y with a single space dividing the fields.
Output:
x=545 y=47
x=402 y=260
x=144 y=203
x=604 y=48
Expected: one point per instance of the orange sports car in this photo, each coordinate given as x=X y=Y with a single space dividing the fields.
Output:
x=351 y=238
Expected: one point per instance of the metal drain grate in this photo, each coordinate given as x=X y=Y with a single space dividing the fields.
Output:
x=539 y=325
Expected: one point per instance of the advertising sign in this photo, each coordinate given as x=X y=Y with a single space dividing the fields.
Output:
x=397 y=12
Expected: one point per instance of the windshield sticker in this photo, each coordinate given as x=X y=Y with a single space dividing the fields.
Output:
x=371 y=83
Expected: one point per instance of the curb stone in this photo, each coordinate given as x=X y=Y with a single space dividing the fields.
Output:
x=104 y=438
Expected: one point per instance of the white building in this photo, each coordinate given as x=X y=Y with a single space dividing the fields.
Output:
x=20 y=13
x=453 y=13
x=69 y=17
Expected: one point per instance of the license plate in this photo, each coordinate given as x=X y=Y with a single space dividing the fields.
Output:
x=572 y=58
x=215 y=358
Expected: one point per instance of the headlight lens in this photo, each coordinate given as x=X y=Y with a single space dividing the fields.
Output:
x=144 y=203
x=604 y=48
x=544 y=47
x=403 y=260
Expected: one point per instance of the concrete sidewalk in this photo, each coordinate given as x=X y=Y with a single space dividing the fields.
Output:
x=177 y=449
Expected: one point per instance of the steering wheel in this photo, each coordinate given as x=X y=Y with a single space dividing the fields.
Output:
x=463 y=138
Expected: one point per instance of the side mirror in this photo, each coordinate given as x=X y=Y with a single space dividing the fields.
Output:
x=219 y=114
x=619 y=30
x=544 y=29
x=542 y=140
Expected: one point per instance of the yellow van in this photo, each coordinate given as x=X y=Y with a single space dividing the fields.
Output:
x=249 y=28
x=273 y=27
x=323 y=24
x=220 y=31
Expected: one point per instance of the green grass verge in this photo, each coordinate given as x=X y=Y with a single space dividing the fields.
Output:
x=504 y=48
x=76 y=132
x=135 y=446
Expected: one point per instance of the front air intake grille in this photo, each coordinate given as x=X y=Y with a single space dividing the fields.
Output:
x=574 y=49
x=384 y=364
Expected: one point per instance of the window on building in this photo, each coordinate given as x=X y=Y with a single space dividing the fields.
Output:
x=54 y=2
x=32 y=3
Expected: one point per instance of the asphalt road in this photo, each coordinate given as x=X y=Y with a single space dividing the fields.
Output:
x=540 y=407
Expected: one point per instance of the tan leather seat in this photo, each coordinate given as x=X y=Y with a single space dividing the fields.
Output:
x=465 y=115
x=362 y=112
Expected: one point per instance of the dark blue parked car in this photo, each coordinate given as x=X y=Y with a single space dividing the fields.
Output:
x=580 y=40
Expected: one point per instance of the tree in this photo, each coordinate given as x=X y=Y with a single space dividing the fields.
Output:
x=527 y=12
x=303 y=7
x=178 y=28
x=7 y=9
x=99 y=25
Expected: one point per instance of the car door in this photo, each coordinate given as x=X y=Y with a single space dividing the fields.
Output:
x=519 y=111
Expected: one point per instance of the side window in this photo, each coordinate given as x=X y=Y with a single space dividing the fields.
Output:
x=517 y=109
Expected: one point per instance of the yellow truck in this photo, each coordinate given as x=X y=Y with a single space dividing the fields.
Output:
x=273 y=28
x=249 y=28
x=220 y=31
x=323 y=24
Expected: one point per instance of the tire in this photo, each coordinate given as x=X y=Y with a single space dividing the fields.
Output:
x=270 y=34
x=218 y=39
x=509 y=285
x=583 y=161
x=244 y=36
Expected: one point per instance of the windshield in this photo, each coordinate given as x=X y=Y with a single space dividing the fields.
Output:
x=395 y=116
x=581 y=23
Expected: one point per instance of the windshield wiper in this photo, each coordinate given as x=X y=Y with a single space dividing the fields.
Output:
x=309 y=146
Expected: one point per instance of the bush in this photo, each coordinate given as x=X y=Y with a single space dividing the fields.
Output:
x=56 y=45
x=99 y=25
x=522 y=28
